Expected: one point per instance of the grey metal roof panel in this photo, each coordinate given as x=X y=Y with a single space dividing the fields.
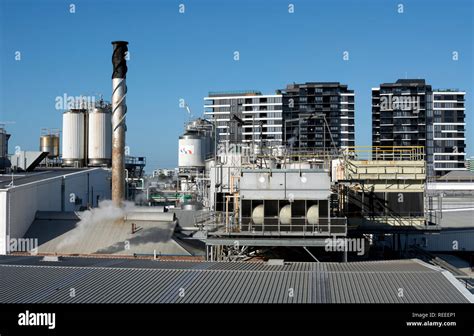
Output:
x=392 y=288
x=211 y=282
x=38 y=175
x=154 y=264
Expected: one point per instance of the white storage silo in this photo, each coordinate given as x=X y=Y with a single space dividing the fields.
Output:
x=73 y=148
x=191 y=151
x=99 y=137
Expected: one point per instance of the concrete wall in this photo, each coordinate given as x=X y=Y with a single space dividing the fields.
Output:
x=18 y=205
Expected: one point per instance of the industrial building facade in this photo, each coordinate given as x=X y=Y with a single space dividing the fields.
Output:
x=409 y=113
x=246 y=116
x=318 y=115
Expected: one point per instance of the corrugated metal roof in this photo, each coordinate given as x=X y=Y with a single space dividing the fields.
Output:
x=30 y=280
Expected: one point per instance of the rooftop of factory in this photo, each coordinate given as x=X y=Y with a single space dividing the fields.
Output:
x=103 y=280
x=22 y=178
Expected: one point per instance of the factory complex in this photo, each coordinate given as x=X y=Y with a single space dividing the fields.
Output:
x=271 y=196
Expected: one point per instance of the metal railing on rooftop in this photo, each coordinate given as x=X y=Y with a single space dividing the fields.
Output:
x=392 y=153
x=297 y=226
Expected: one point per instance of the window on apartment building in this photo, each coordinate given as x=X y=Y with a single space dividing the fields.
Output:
x=449 y=143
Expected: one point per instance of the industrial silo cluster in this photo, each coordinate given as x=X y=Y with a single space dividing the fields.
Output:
x=87 y=137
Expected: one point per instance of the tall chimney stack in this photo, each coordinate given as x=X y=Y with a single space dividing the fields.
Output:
x=119 y=109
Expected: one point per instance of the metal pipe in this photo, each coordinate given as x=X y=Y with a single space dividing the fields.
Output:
x=119 y=109
x=227 y=214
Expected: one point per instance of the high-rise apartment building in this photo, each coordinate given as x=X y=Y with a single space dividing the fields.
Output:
x=318 y=115
x=410 y=113
x=246 y=116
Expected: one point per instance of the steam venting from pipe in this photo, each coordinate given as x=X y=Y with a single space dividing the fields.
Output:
x=119 y=110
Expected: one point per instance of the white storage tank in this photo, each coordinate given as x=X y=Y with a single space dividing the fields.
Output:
x=191 y=150
x=74 y=137
x=99 y=137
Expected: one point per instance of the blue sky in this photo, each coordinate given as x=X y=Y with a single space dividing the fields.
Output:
x=187 y=55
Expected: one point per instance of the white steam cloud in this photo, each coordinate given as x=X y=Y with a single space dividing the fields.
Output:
x=106 y=212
